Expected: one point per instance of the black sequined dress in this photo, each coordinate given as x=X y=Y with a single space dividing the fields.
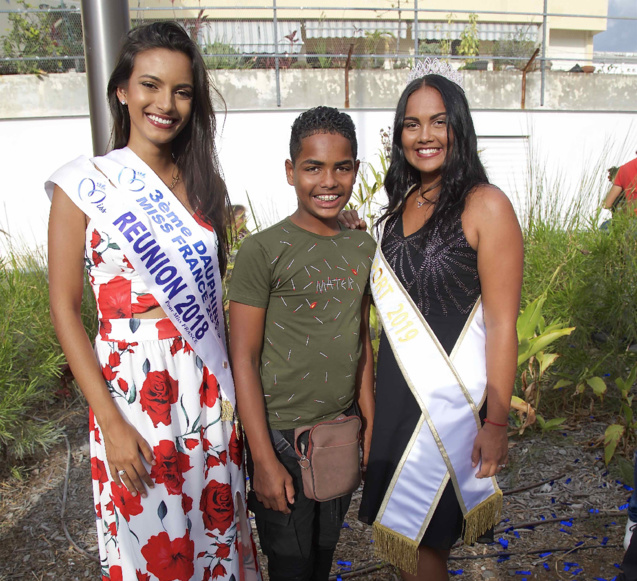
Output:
x=441 y=276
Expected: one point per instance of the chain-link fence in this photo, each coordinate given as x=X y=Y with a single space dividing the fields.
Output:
x=49 y=38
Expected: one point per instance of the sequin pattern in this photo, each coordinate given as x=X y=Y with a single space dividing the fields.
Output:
x=440 y=273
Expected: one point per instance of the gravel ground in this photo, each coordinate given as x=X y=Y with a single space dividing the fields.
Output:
x=579 y=515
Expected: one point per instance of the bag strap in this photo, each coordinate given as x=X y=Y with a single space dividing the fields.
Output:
x=282 y=446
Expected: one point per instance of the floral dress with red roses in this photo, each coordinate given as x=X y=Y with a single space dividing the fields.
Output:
x=186 y=528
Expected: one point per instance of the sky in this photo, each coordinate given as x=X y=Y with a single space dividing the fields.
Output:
x=621 y=35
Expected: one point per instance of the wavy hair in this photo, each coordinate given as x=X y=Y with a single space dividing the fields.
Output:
x=193 y=149
x=461 y=170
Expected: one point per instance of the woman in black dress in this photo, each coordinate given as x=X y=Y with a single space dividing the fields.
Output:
x=451 y=239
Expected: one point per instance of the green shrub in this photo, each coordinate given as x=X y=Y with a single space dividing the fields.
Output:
x=31 y=361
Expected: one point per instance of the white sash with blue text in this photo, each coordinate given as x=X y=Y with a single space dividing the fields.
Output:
x=449 y=390
x=162 y=241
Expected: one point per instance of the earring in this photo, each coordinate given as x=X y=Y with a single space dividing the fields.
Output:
x=124 y=103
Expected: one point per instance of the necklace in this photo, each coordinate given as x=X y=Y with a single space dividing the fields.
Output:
x=175 y=179
x=424 y=199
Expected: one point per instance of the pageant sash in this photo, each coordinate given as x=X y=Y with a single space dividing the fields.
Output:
x=449 y=390
x=176 y=260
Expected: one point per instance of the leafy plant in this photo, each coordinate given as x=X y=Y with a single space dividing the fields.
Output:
x=219 y=55
x=42 y=34
x=469 y=41
x=513 y=51
x=625 y=429
x=534 y=337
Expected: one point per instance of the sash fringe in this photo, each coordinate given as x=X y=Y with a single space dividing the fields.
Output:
x=398 y=549
x=482 y=517
x=227 y=411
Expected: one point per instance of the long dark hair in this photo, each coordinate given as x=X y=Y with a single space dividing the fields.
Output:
x=462 y=169
x=194 y=147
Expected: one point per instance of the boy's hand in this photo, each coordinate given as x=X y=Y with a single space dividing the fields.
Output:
x=350 y=219
x=273 y=486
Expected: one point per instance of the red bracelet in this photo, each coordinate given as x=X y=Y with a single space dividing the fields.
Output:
x=488 y=421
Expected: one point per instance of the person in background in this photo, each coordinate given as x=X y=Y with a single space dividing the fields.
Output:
x=625 y=183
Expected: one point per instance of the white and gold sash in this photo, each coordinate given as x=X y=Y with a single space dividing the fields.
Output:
x=449 y=390
x=165 y=245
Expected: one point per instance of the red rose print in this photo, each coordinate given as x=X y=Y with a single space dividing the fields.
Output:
x=191 y=443
x=217 y=506
x=110 y=507
x=170 y=560
x=142 y=576
x=144 y=303
x=115 y=573
x=123 y=385
x=128 y=264
x=170 y=466
x=177 y=345
x=97 y=258
x=95 y=239
x=223 y=456
x=99 y=472
x=127 y=504
x=211 y=462
x=218 y=571
x=92 y=426
x=235 y=446
x=166 y=329
x=112 y=528
x=157 y=394
x=223 y=551
x=105 y=329
x=114 y=299
x=108 y=373
x=114 y=359
x=209 y=389
x=187 y=348
x=207 y=574
x=98 y=510
x=186 y=503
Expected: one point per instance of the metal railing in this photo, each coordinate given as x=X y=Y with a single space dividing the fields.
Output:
x=35 y=40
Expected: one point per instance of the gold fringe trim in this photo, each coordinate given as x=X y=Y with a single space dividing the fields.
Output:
x=398 y=549
x=482 y=517
x=227 y=412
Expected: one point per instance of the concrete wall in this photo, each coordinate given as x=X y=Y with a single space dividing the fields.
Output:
x=62 y=95
x=564 y=147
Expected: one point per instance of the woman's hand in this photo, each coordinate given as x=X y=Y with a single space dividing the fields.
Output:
x=490 y=450
x=124 y=448
x=350 y=219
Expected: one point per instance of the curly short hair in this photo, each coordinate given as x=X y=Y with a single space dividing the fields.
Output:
x=321 y=120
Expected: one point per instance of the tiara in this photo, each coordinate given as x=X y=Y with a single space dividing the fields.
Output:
x=434 y=66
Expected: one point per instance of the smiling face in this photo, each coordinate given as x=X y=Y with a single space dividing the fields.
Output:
x=323 y=176
x=424 y=134
x=159 y=98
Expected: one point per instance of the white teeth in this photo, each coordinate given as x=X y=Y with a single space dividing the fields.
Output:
x=160 y=120
x=327 y=198
x=428 y=151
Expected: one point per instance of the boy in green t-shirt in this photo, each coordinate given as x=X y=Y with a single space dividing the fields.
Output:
x=300 y=345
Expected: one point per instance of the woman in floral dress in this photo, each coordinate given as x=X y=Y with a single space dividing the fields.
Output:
x=148 y=222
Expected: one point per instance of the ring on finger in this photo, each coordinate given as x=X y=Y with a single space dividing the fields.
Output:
x=121 y=472
x=502 y=465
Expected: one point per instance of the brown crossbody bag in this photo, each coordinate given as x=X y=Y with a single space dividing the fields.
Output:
x=330 y=457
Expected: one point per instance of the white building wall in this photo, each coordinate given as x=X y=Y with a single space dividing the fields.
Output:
x=253 y=146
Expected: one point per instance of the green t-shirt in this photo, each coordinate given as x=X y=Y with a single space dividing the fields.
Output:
x=311 y=287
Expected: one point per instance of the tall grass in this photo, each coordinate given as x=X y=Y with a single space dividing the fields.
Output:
x=31 y=361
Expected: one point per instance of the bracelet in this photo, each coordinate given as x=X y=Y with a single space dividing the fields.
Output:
x=488 y=421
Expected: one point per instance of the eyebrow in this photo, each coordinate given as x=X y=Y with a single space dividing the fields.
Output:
x=435 y=116
x=318 y=162
x=157 y=79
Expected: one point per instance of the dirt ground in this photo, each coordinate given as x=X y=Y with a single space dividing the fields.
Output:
x=569 y=527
